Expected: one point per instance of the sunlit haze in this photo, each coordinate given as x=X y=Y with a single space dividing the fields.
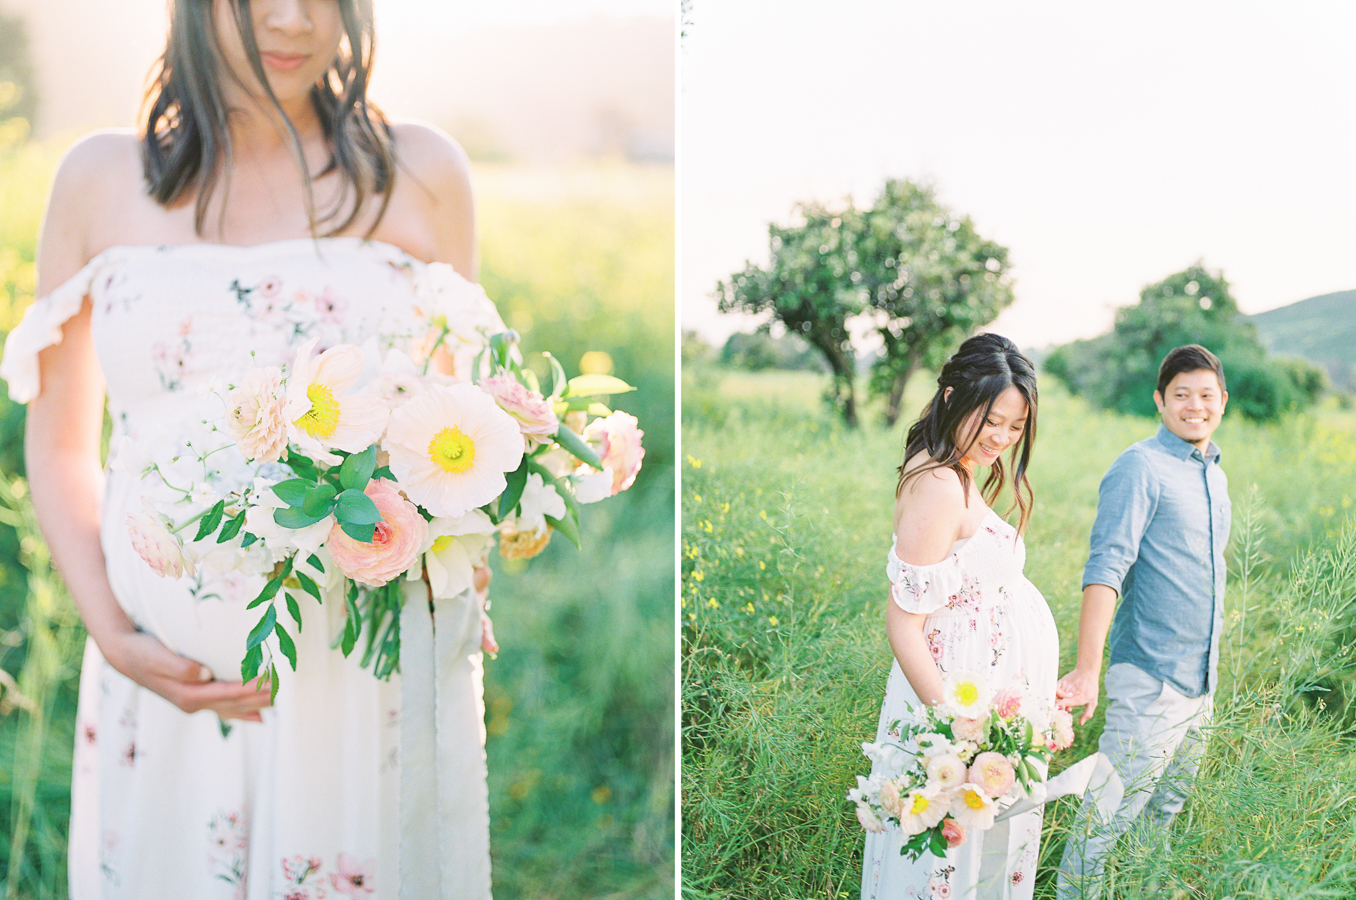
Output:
x=1106 y=145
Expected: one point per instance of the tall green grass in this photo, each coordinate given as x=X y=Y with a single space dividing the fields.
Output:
x=579 y=703
x=786 y=523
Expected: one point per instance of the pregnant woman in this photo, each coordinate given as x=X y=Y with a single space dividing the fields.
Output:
x=263 y=204
x=959 y=602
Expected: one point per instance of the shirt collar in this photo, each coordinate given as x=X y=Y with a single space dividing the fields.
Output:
x=1183 y=449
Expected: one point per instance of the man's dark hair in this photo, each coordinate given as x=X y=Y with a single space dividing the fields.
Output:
x=1188 y=359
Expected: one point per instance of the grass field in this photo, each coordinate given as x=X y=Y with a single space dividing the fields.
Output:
x=579 y=703
x=786 y=522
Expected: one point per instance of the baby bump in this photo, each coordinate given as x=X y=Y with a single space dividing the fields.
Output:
x=201 y=616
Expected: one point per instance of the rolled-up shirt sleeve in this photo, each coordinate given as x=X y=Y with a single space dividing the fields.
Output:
x=1126 y=500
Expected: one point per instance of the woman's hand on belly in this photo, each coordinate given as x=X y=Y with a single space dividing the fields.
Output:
x=184 y=682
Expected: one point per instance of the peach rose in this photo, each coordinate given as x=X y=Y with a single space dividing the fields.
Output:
x=254 y=415
x=870 y=821
x=890 y=798
x=395 y=543
x=993 y=773
x=1008 y=702
x=617 y=440
x=954 y=832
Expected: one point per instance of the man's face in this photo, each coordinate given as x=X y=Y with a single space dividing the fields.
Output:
x=1192 y=406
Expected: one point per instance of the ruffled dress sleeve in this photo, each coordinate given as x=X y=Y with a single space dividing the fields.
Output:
x=40 y=329
x=924 y=589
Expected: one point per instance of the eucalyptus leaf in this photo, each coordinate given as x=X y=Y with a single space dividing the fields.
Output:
x=356 y=508
x=319 y=500
x=362 y=533
x=357 y=469
x=292 y=517
x=292 y=491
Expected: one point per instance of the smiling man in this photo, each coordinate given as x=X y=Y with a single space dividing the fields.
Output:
x=1157 y=544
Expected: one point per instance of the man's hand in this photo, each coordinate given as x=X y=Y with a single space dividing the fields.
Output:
x=1079 y=688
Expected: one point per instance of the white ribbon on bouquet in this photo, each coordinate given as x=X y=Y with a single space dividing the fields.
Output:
x=1094 y=771
x=444 y=802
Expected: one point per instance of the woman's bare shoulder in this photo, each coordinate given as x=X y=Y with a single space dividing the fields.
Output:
x=430 y=155
x=441 y=196
x=98 y=176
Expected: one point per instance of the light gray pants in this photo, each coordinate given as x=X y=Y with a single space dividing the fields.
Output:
x=1153 y=739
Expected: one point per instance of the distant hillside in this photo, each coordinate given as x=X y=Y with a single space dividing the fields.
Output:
x=1321 y=329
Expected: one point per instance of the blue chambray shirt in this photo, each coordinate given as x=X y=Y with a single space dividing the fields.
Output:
x=1162 y=524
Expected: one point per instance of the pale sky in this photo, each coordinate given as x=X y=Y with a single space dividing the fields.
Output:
x=1106 y=146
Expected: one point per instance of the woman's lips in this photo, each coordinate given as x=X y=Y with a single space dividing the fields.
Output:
x=282 y=62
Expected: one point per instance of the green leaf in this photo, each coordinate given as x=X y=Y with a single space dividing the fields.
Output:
x=272 y=683
x=303 y=466
x=269 y=591
x=289 y=649
x=309 y=586
x=557 y=377
x=292 y=491
x=384 y=472
x=231 y=528
x=291 y=517
x=577 y=447
x=353 y=622
x=208 y=523
x=295 y=612
x=262 y=628
x=315 y=563
x=517 y=480
x=249 y=538
x=319 y=500
x=360 y=533
x=593 y=385
x=357 y=469
x=356 y=508
x=249 y=666
x=937 y=843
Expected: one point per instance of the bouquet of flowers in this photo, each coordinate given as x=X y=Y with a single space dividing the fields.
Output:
x=357 y=467
x=948 y=771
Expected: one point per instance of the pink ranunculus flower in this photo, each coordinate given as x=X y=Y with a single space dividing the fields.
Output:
x=966 y=729
x=953 y=831
x=254 y=415
x=1061 y=730
x=532 y=411
x=353 y=878
x=1008 y=702
x=395 y=544
x=617 y=440
x=946 y=771
x=993 y=772
x=154 y=543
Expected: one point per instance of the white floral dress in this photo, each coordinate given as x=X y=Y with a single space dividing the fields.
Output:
x=351 y=786
x=982 y=616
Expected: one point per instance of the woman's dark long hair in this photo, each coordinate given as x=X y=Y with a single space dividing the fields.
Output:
x=186 y=140
x=985 y=366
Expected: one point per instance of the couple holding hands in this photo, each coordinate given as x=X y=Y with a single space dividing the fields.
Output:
x=1154 y=580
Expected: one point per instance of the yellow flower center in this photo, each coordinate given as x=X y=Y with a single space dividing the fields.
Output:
x=452 y=449
x=440 y=544
x=920 y=803
x=323 y=416
x=966 y=693
x=973 y=800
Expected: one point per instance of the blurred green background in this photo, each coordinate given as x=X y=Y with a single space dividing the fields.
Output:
x=579 y=703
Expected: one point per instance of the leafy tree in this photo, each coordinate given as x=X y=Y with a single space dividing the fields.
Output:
x=1120 y=370
x=930 y=279
x=803 y=287
x=921 y=273
x=760 y=350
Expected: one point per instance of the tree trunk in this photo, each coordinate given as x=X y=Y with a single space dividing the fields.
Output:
x=842 y=363
x=895 y=401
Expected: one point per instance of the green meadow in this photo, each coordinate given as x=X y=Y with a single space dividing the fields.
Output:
x=786 y=523
x=579 y=702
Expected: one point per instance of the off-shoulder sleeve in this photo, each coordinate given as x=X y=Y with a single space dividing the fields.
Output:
x=40 y=329
x=923 y=589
